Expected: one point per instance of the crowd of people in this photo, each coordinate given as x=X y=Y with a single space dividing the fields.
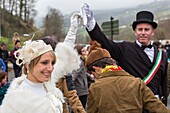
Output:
x=108 y=77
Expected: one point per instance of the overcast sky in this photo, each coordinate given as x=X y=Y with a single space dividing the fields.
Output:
x=68 y=6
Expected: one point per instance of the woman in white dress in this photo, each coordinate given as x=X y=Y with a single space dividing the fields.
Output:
x=33 y=92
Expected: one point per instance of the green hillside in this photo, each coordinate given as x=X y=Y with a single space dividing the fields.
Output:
x=11 y=24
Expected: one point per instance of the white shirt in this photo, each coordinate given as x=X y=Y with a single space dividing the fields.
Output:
x=149 y=51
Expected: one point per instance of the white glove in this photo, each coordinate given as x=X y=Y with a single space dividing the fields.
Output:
x=71 y=35
x=87 y=16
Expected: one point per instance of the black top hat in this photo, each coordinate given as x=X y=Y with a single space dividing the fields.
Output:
x=144 y=17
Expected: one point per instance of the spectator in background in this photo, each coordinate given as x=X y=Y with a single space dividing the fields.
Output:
x=17 y=69
x=2 y=65
x=168 y=77
x=157 y=44
x=167 y=47
x=15 y=37
x=4 y=85
x=84 y=52
x=4 y=55
x=80 y=76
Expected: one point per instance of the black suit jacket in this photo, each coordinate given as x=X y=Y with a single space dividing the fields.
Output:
x=135 y=61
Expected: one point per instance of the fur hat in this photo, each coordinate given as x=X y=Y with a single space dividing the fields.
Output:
x=144 y=17
x=96 y=54
x=93 y=44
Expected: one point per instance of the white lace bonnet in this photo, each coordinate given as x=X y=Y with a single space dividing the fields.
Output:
x=30 y=50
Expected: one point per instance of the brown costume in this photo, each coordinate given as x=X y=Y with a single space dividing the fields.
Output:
x=71 y=96
x=119 y=92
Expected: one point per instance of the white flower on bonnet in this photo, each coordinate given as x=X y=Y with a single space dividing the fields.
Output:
x=31 y=50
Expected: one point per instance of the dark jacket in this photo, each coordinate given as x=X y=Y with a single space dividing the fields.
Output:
x=5 y=56
x=135 y=61
x=3 y=90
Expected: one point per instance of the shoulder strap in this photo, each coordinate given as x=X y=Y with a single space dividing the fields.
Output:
x=154 y=69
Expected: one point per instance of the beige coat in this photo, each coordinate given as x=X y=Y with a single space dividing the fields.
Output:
x=119 y=92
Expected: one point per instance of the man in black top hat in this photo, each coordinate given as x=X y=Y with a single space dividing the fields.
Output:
x=138 y=58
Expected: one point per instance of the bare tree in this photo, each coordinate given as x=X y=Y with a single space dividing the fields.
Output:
x=25 y=10
x=53 y=23
x=21 y=6
x=30 y=11
x=11 y=6
x=16 y=7
x=1 y=4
